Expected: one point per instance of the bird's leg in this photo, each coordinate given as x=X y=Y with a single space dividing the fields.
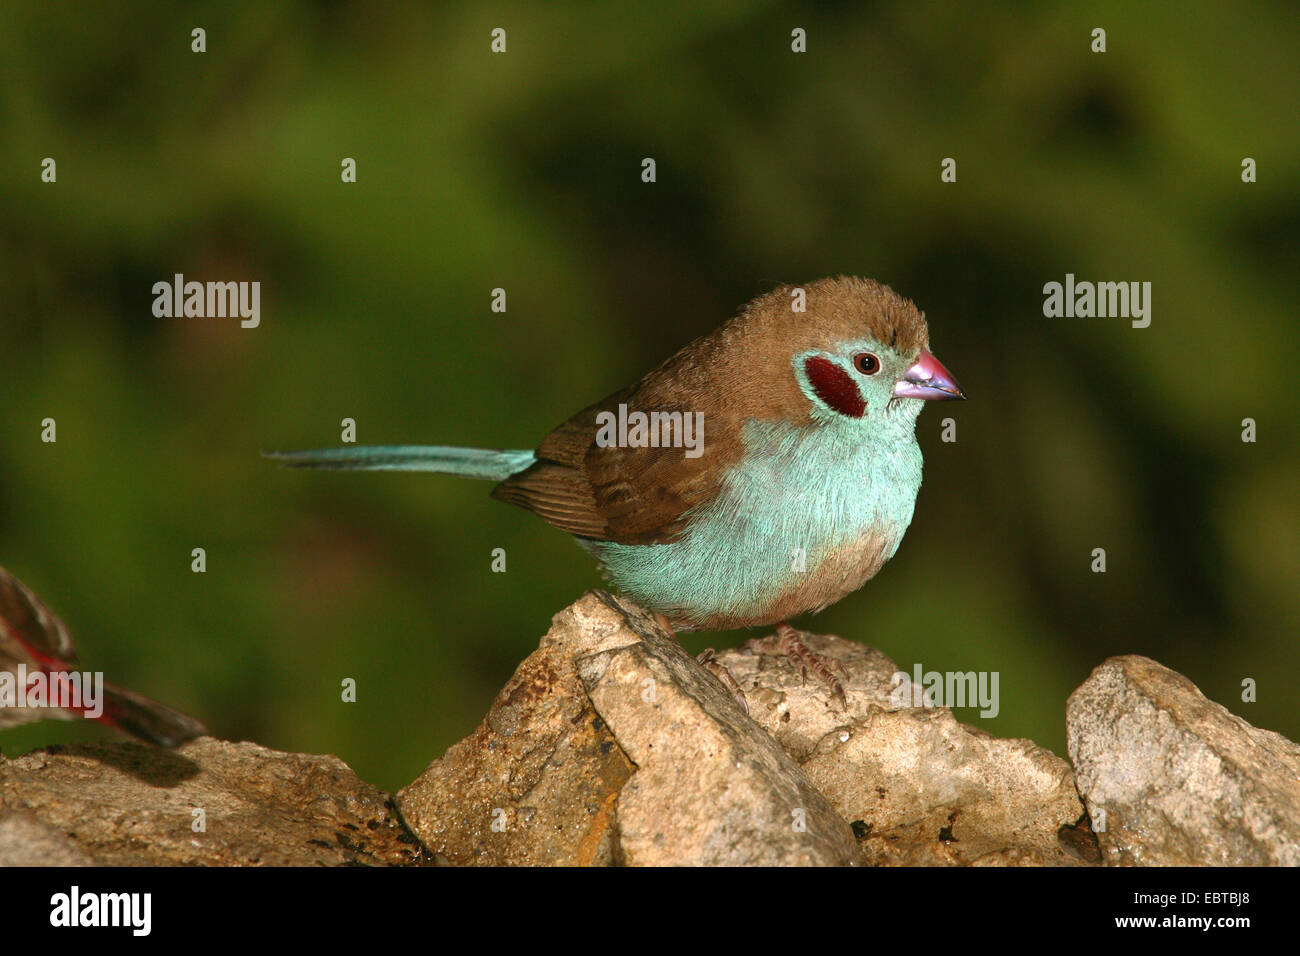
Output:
x=800 y=655
x=710 y=663
x=708 y=660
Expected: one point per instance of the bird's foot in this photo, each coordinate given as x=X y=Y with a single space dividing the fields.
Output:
x=789 y=643
x=708 y=660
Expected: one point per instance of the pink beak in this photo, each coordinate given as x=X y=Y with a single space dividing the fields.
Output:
x=928 y=380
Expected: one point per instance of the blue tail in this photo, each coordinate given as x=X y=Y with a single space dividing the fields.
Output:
x=466 y=462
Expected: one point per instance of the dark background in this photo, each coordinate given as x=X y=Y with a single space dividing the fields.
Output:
x=522 y=171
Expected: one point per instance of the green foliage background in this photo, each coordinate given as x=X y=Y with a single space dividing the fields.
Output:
x=523 y=171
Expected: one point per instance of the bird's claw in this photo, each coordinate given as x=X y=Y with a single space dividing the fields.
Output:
x=803 y=657
x=708 y=659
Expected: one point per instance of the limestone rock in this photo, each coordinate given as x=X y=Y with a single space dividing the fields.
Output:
x=26 y=841
x=131 y=804
x=920 y=787
x=711 y=787
x=536 y=783
x=610 y=744
x=1177 y=779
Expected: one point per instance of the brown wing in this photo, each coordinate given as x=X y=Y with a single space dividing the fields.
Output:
x=27 y=626
x=631 y=495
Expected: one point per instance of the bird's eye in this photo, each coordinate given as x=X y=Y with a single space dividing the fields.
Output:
x=866 y=363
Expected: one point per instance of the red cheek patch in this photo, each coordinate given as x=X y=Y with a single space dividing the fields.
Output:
x=834 y=387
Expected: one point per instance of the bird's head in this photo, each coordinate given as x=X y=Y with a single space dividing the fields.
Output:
x=857 y=352
x=845 y=355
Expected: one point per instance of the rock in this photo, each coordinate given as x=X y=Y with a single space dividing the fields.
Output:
x=1176 y=779
x=710 y=787
x=610 y=744
x=537 y=781
x=131 y=804
x=26 y=841
x=920 y=787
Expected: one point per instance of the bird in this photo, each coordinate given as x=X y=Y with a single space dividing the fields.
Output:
x=37 y=671
x=766 y=470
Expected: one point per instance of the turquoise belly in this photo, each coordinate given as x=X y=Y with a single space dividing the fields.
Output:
x=795 y=490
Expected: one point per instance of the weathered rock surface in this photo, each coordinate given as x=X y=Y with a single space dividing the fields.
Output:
x=684 y=777
x=537 y=781
x=27 y=841
x=129 y=804
x=610 y=744
x=1177 y=779
x=920 y=787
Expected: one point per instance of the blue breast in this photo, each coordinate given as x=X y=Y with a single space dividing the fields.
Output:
x=812 y=488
